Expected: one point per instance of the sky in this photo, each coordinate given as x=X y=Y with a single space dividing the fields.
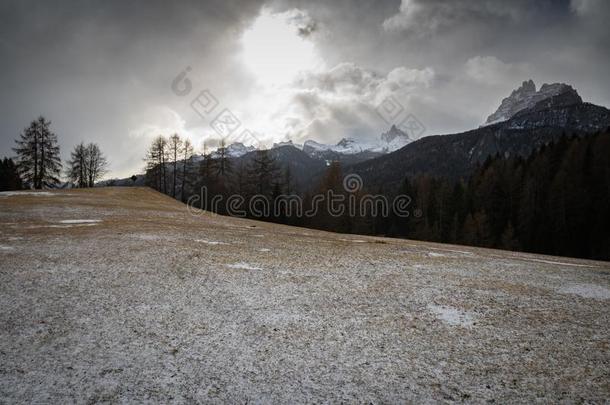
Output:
x=119 y=73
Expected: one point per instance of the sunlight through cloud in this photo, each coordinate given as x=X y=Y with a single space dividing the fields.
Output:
x=276 y=47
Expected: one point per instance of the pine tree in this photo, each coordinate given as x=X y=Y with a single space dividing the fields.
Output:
x=469 y=231
x=38 y=157
x=327 y=216
x=508 y=240
x=261 y=176
x=9 y=176
x=289 y=186
x=262 y=173
x=484 y=232
x=445 y=209
x=599 y=215
x=239 y=179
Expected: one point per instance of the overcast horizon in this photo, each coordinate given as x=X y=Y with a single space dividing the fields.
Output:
x=103 y=71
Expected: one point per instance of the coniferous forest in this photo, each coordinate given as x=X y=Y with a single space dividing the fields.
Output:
x=554 y=202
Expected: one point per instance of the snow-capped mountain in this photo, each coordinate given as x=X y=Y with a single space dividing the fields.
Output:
x=348 y=149
x=286 y=143
x=394 y=139
x=234 y=150
x=347 y=146
x=389 y=141
x=526 y=97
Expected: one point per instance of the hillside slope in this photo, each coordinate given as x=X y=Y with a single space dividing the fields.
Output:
x=121 y=295
x=457 y=155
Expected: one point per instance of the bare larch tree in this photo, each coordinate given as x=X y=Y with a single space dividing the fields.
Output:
x=97 y=164
x=156 y=159
x=174 y=146
x=187 y=153
x=87 y=165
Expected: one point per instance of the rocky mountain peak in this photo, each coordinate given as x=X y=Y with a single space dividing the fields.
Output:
x=392 y=134
x=346 y=142
x=526 y=97
x=235 y=149
x=527 y=87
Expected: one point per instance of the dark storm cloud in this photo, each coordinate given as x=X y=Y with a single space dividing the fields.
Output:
x=100 y=70
x=95 y=67
x=479 y=50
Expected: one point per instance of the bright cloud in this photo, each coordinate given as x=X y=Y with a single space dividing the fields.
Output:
x=276 y=47
x=331 y=104
x=492 y=71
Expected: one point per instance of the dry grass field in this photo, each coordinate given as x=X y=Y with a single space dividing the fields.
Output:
x=121 y=295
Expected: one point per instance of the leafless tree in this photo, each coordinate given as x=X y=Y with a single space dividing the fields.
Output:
x=223 y=162
x=156 y=159
x=174 y=148
x=87 y=165
x=97 y=164
x=77 y=166
x=187 y=153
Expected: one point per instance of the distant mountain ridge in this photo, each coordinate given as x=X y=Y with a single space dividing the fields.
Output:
x=542 y=121
x=389 y=141
x=347 y=150
x=536 y=118
x=236 y=149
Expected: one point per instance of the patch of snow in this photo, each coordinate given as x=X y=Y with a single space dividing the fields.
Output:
x=80 y=221
x=264 y=250
x=587 y=291
x=451 y=315
x=14 y=193
x=353 y=240
x=64 y=226
x=453 y=251
x=68 y=225
x=243 y=266
x=210 y=242
x=434 y=254
x=559 y=263
x=6 y=247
